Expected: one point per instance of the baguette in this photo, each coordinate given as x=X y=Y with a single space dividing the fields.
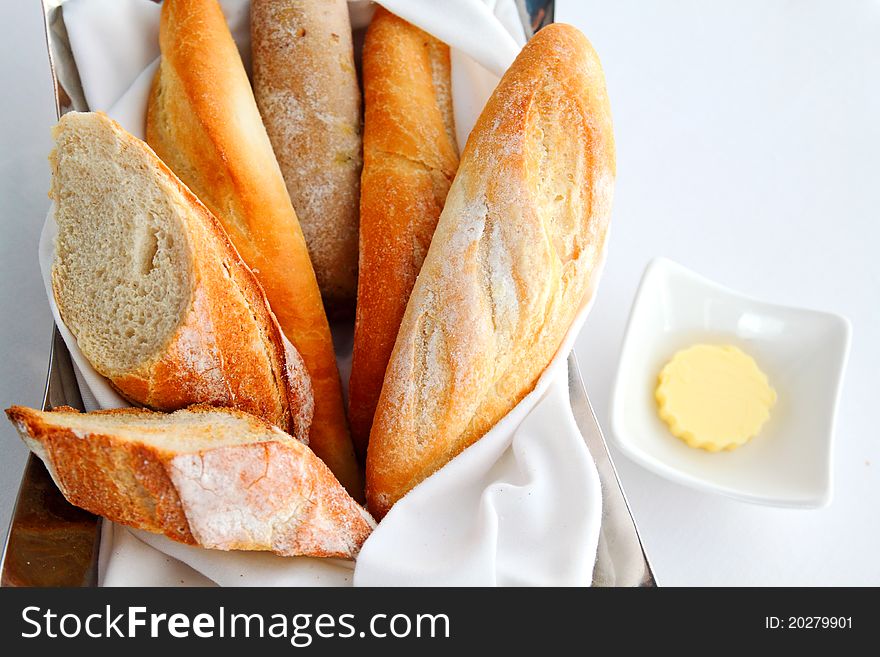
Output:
x=202 y=120
x=410 y=158
x=217 y=478
x=510 y=265
x=157 y=298
x=307 y=90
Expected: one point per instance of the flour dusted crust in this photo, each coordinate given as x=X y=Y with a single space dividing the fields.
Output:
x=410 y=158
x=264 y=491
x=203 y=121
x=511 y=262
x=306 y=87
x=243 y=497
x=227 y=348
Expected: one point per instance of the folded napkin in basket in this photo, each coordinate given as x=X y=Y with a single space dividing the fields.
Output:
x=520 y=507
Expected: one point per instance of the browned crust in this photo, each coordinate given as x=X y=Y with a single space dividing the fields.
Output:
x=410 y=159
x=306 y=87
x=293 y=504
x=512 y=261
x=202 y=120
x=212 y=357
x=125 y=483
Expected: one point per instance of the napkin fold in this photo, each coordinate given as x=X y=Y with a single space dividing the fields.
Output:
x=522 y=506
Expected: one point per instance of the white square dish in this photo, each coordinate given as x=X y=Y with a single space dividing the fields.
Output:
x=803 y=352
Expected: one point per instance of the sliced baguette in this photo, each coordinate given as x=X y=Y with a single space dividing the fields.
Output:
x=203 y=121
x=213 y=477
x=158 y=299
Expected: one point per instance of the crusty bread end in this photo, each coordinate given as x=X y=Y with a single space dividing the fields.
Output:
x=213 y=477
x=158 y=299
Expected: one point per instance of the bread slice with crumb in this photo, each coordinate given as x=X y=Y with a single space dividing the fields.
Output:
x=157 y=297
x=213 y=477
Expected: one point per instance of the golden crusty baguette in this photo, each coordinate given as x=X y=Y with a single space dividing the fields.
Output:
x=510 y=265
x=307 y=90
x=410 y=158
x=206 y=476
x=202 y=120
x=157 y=298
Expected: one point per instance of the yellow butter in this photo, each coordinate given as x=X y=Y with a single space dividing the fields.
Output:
x=714 y=397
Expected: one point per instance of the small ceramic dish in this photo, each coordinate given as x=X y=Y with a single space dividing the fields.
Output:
x=803 y=352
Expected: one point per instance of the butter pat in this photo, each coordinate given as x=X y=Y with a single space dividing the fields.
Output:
x=714 y=397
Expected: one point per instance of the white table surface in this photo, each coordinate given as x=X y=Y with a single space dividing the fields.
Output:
x=748 y=149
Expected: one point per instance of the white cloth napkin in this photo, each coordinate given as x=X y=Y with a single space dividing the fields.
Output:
x=520 y=507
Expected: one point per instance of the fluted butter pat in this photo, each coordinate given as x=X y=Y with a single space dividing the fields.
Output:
x=714 y=397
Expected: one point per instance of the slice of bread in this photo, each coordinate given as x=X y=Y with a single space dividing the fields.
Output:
x=213 y=477
x=157 y=297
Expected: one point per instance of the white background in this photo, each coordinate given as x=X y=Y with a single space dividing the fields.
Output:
x=748 y=137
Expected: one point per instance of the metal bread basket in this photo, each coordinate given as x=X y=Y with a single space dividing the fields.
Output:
x=53 y=543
